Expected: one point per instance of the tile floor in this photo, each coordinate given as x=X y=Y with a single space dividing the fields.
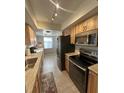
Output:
x=63 y=82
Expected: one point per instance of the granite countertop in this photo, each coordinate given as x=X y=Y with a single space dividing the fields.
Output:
x=67 y=55
x=38 y=50
x=31 y=73
x=72 y=53
x=94 y=68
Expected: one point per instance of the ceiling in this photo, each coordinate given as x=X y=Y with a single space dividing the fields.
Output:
x=44 y=9
x=46 y=32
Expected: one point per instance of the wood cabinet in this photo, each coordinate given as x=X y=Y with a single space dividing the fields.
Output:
x=38 y=85
x=92 y=82
x=87 y=25
x=72 y=35
x=27 y=36
x=76 y=29
x=92 y=23
x=66 y=64
x=81 y=27
x=30 y=35
x=33 y=74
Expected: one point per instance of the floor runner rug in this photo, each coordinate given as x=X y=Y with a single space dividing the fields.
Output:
x=48 y=83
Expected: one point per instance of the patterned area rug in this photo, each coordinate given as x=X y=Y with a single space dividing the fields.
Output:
x=48 y=83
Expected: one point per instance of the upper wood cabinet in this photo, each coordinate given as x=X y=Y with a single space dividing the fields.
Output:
x=27 y=36
x=80 y=27
x=30 y=35
x=73 y=35
x=92 y=23
x=87 y=25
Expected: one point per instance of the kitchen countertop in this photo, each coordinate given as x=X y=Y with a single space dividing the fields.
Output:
x=72 y=53
x=94 y=68
x=31 y=73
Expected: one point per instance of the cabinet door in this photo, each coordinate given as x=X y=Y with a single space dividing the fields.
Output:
x=92 y=23
x=92 y=83
x=85 y=26
x=30 y=35
x=39 y=81
x=67 y=65
x=81 y=27
x=96 y=22
x=76 y=29
x=36 y=88
x=73 y=35
x=27 y=35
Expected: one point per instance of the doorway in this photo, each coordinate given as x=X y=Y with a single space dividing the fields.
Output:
x=50 y=44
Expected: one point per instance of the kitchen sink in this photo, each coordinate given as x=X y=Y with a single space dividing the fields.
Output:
x=30 y=63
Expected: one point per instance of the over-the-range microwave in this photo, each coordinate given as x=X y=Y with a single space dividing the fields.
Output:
x=89 y=38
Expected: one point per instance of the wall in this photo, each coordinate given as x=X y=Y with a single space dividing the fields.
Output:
x=28 y=10
x=51 y=26
x=29 y=20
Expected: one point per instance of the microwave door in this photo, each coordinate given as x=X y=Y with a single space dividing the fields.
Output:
x=92 y=39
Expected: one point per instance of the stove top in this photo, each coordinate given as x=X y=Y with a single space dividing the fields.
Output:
x=83 y=60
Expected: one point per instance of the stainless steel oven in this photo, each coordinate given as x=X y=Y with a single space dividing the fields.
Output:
x=78 y=69
x=78 y=76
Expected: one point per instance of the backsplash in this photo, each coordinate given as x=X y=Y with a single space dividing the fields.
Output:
x=92 y=49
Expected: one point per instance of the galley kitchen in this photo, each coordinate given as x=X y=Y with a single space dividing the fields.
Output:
x=61 y=46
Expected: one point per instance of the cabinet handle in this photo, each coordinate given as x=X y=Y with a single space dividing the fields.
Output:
x=78 y=66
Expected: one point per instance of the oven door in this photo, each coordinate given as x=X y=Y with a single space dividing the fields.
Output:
x=78 y=76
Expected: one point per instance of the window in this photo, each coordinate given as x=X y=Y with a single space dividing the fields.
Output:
x=48 y=42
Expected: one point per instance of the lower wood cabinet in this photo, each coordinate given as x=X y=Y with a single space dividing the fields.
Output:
x=39 y=81
x=92 y=82
x=67 y=65
x=37 y=85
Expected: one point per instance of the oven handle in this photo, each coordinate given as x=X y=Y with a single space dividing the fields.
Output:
x=77 y=65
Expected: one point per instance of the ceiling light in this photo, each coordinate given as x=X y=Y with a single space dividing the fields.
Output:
x=52 y=19
x=48 y=31
x=57 y=6
x=56 y=14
